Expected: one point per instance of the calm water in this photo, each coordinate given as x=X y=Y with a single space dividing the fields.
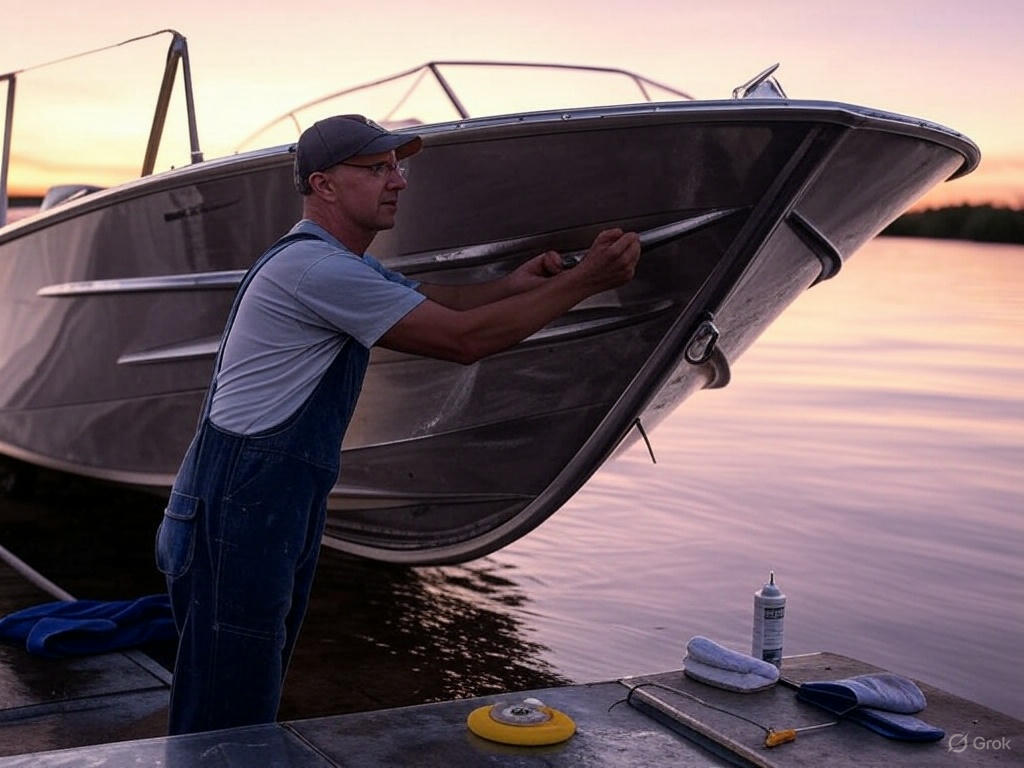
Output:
x=869 y=450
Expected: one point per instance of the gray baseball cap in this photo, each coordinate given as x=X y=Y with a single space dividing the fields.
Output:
x=335 y=139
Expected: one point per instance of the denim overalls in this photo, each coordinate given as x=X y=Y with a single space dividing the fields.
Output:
x=239 y=544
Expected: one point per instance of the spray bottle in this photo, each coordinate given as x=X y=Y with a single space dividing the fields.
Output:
x=769 y=611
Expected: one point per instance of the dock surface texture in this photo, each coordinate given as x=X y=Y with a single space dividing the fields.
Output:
x=975 y=735
x=114 y=697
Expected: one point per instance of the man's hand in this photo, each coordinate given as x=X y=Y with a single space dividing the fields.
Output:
x=612 y=258
x=532 y=273
x=610 y=262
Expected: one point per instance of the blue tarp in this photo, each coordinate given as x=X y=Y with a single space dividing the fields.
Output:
x=83 y=627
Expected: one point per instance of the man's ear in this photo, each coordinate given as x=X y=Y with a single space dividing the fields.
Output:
x=322 y=185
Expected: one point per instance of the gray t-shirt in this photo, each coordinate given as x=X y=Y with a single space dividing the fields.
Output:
x=300 y=309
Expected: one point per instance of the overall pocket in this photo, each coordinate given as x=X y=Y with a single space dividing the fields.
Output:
x=175 y=538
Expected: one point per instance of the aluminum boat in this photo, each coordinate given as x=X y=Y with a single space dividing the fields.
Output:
x=112 y=301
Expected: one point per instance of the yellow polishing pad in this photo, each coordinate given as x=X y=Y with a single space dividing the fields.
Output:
x=528 y=723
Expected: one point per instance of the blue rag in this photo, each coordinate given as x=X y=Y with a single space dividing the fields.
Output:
x=883 y=702
x=83 y=627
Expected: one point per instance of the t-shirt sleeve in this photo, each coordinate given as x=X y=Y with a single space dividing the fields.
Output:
x=358 y=296
x=395 y=277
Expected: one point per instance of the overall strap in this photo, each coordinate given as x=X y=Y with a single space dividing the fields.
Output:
x=246 y=280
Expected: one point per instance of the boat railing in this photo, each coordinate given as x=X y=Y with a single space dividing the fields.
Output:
x=11 y=81
x=434 y=69
x=177 y=53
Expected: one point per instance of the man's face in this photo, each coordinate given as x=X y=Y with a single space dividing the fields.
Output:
x=367 y=190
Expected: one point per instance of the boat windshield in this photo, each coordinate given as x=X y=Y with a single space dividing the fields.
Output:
x=442 y=91
x=79 y=122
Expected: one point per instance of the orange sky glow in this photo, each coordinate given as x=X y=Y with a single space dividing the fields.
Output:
x=87 y=120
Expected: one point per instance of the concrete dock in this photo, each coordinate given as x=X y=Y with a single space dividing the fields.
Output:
x=48 y=704
x=111 y=700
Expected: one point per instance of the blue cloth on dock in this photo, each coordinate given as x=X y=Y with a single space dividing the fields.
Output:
x=883 y=702
x=83 y=627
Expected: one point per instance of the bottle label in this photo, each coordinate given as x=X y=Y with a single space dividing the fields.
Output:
x=768 y=623
x=772 y=633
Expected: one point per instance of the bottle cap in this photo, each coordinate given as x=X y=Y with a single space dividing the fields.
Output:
x=771 y=589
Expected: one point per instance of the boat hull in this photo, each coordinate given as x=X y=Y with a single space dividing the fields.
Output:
x=111 y=307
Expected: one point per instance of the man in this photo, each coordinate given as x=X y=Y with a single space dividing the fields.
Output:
x=241 y=532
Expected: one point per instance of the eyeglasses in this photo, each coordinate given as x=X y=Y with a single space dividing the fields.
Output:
x=383 y=170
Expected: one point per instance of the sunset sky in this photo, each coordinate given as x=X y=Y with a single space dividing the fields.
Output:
x=947 y=61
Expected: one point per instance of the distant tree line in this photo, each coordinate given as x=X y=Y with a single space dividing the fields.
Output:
x=985 y=223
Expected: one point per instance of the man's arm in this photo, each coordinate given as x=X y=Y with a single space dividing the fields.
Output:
x=466 y=335
x=470 y=295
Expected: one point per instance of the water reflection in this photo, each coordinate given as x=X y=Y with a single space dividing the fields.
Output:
x=379 y=635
